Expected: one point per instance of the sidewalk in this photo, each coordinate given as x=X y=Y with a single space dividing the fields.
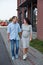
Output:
x=4 y=56
x=34 y=56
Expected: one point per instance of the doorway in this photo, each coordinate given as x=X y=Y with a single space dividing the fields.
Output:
x=33 y=15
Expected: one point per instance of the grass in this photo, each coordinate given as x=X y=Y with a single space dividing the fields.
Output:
x=37 y=44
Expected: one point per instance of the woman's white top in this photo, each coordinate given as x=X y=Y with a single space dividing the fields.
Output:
x=27 y=30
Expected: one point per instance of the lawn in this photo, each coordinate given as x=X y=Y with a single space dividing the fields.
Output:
x=37 y=44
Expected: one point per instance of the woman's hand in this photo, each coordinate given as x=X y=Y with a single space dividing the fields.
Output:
x=30 y=39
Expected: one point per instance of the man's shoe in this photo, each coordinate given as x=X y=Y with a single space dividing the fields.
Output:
x=12 y=57
x=16 y=56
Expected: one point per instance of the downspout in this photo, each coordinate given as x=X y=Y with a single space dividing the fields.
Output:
x=31 y=12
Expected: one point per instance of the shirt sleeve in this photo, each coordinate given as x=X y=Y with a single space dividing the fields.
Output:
x=8 y=29
x=31 y=29
x=19 y=29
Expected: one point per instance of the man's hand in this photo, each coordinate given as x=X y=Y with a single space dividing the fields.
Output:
x=8 y=37
x=20 y=34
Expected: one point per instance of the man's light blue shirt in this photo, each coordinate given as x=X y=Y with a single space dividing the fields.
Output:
x=14 y=29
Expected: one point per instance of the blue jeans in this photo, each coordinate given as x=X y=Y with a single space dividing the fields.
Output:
x=13 y=42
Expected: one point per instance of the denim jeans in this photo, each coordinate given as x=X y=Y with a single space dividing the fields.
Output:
x=13 y=42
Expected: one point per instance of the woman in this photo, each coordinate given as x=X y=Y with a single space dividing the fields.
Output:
x=26 y=36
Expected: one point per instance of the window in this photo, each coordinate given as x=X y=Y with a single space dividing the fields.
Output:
x=34 y=19
x=25 y=14
x=20 y=19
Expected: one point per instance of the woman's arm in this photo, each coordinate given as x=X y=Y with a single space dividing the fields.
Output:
x=30 y=33
x=30 y=36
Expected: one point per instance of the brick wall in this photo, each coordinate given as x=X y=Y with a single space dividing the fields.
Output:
x=22 y=9
x=19 y=2
x=40 y=20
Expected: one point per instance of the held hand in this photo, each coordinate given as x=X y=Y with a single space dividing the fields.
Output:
x=20 y=34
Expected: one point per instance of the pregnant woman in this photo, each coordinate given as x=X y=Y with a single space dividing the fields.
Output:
x=26 y=36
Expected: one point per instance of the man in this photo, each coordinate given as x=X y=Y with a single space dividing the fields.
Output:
x=13 y=30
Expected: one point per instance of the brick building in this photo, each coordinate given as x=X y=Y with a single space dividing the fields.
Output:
x=29 y=8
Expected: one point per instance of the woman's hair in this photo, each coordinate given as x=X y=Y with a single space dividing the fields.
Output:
x=27 y=21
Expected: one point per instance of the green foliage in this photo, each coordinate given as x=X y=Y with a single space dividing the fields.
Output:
x=37 y=44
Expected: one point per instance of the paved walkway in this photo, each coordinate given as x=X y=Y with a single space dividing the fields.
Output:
x=34 y=56
x=4 y=56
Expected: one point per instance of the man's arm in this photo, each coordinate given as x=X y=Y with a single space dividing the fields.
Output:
x=8 y=36
x=8 y=32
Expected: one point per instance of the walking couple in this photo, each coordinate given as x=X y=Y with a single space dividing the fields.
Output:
x=14 y=32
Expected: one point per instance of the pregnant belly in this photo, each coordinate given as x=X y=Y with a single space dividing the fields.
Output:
x=25 y=34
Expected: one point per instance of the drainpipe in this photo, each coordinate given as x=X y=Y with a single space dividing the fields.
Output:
x=31 y=13
x=27 y=7
x=27 y=10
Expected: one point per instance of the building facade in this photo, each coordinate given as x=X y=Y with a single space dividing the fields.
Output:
x=29 y=8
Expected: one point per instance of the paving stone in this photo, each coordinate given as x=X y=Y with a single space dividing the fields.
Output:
x=4 y=56
x=34 y=56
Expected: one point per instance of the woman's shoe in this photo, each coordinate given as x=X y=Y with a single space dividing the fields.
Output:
x=24 y=57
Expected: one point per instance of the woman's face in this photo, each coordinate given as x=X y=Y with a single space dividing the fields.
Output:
x=24 y=21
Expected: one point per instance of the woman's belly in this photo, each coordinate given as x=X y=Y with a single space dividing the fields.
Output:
x=25 y=34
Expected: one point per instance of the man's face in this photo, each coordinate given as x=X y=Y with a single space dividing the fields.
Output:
x=14 y=20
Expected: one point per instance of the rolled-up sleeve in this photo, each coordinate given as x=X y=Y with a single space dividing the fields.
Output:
x=8 y=29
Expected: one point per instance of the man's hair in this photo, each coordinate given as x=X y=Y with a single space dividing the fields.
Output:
x=13 y=17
